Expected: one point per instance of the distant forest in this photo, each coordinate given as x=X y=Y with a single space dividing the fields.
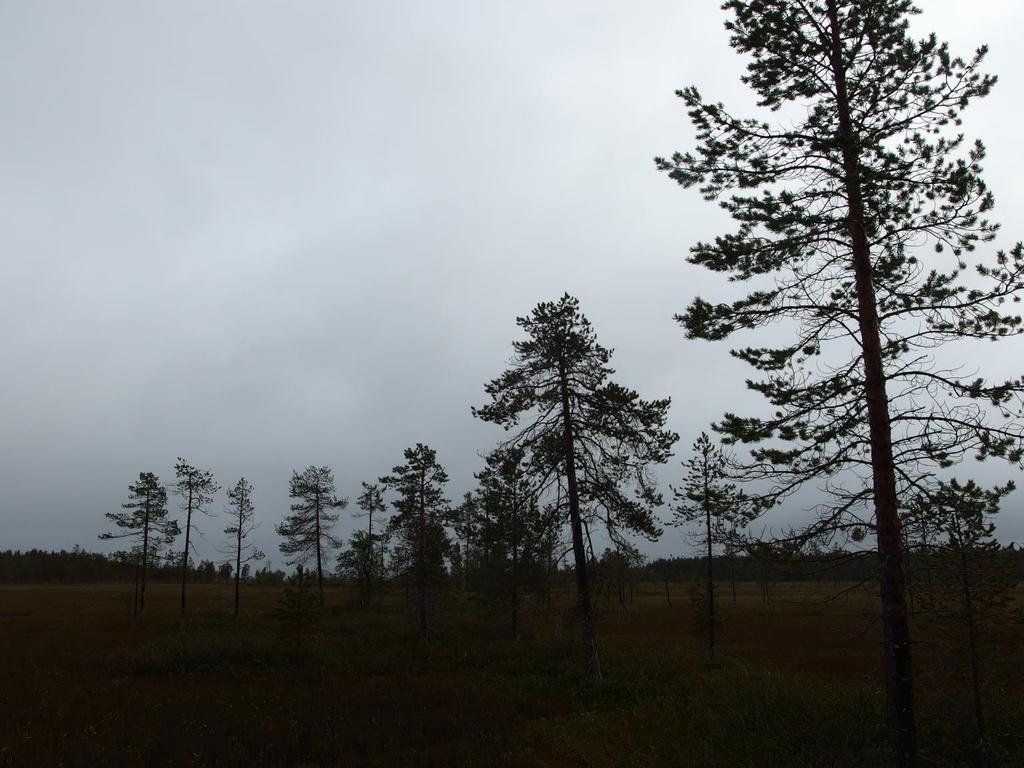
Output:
x=78 y=566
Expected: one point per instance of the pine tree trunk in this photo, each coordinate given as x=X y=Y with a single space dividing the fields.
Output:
x=515 y=570
x=591 y=661
x=732 y=575
x=711 y=575
x=421 y=562
x=145 y=557
x=184 y=559
x=972 y=639
x=515 y=595
x=890 y=552
x=908 y=561
x=238 y=565
x=319 y=556
x=368 y=566
x=135 y=597
x=552 y=574
x=380 y=592
x=765 y=596
x=927 y=550
x=711 y=581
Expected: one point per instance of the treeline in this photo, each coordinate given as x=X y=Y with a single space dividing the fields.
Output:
x=78 y=566
x=838 y=567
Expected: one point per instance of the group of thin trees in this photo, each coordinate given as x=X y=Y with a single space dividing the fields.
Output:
x=960 y=579
x=145 y=525
x=578 y=444
x=860 y=211
x=579 y=455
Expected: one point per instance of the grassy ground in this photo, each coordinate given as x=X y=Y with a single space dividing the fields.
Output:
x=797 y=684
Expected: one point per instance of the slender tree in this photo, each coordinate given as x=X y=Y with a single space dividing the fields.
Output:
x=299 y=611
x=465 y=519
x=421 y=510
x=196 y=487
x=509 y=523
x=242 y=525
x=920 y=537
x=837 y=206
x=582 y=432
x=552 y=549
x=662 y=570
x=975 y=585
x=307 y=530
x=616 y=570
x=144 y=521
x=706 y=498
x=362 y=560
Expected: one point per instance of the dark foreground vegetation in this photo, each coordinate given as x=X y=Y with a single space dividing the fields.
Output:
x=796 y=682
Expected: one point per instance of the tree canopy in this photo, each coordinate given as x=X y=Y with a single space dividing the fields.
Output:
x=859 y=209
x=585 y=436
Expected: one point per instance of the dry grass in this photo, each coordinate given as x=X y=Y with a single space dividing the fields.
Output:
x=85 y=685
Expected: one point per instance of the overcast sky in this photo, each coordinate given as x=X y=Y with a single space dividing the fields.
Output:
x=262 y=235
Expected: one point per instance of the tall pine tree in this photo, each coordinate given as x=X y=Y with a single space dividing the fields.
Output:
x=974 y=586
x=838 y=204
x=509 y=524
x=144 y=522
x=363 y=559
x=242 y=513
x=307 y=530
x=718 y=506
x=421 y=511
x=196 y=488
x=584 y=434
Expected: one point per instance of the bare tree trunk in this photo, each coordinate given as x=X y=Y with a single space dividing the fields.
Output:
x=896 y=628
x=591 y=661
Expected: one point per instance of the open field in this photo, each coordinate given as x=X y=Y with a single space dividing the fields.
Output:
x=798 y=684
